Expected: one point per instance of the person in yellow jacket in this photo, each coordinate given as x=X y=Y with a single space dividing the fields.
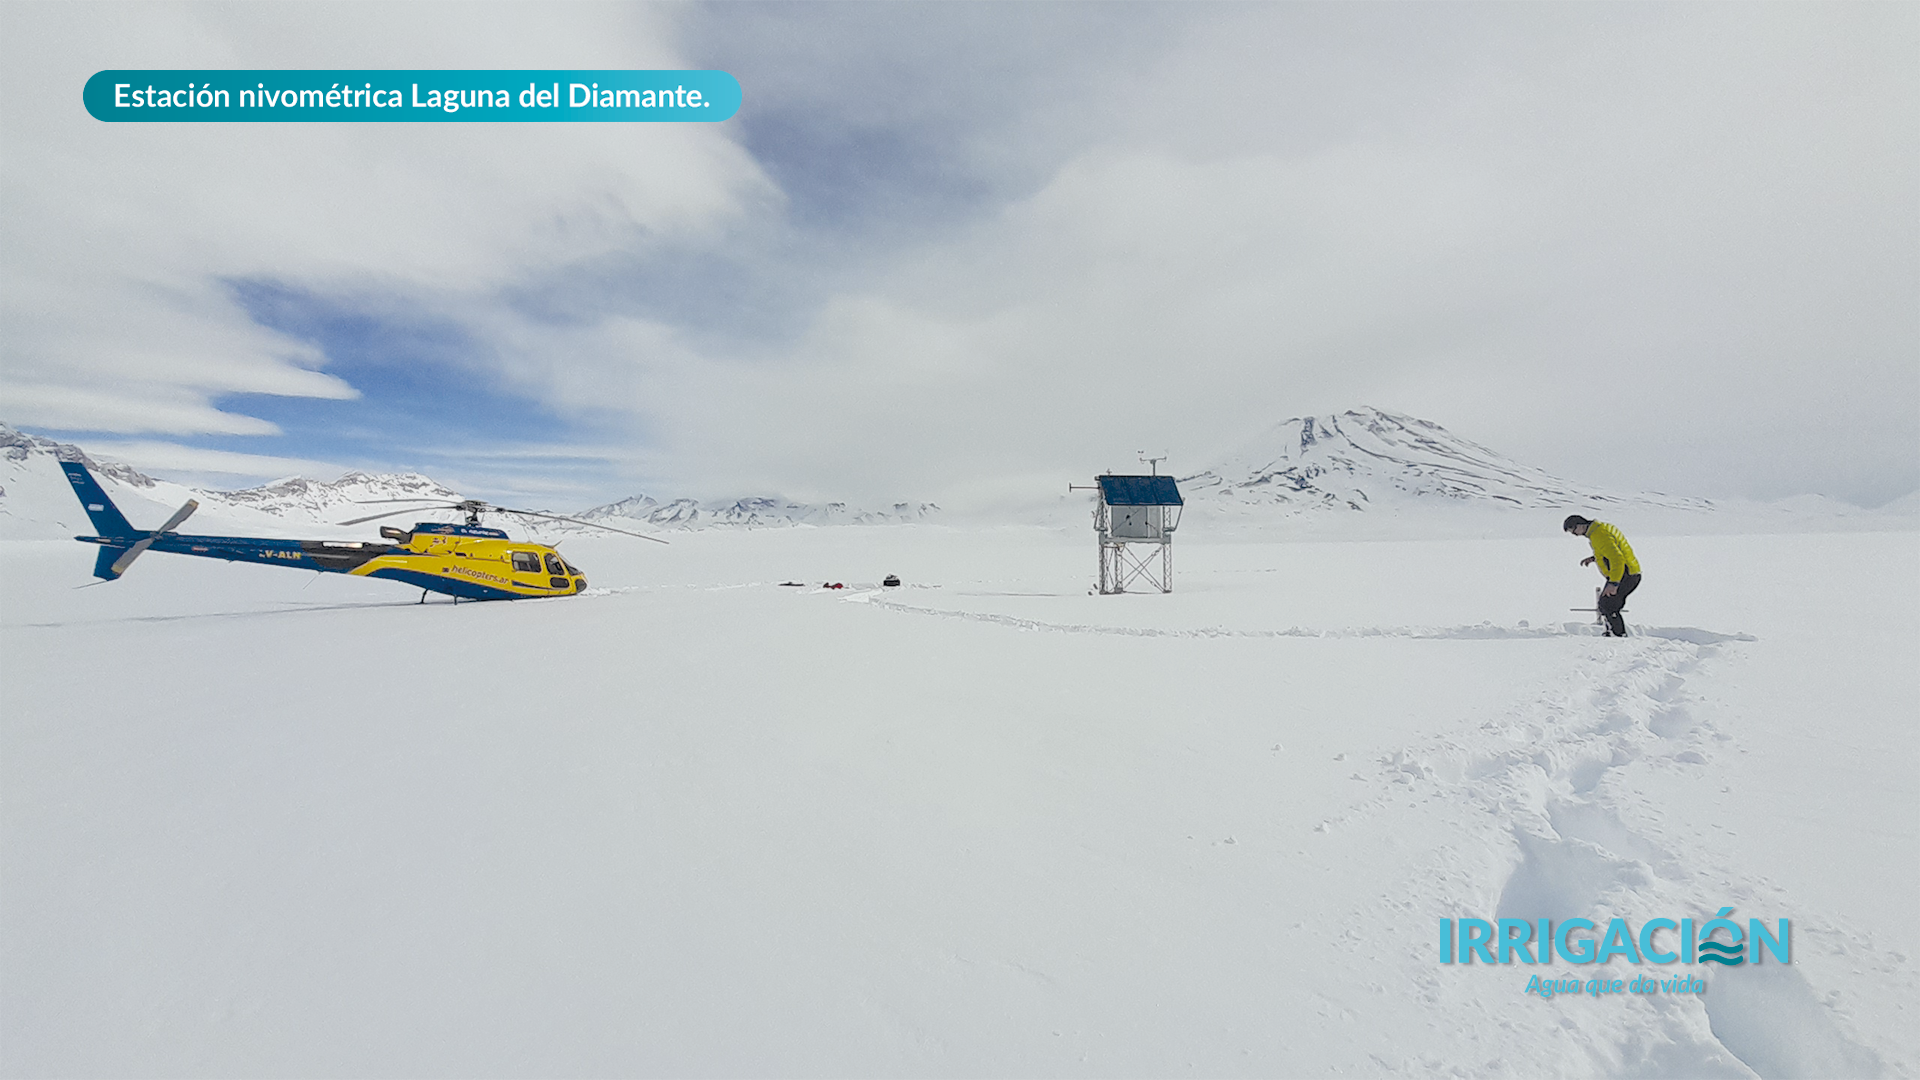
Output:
x=1614 y=558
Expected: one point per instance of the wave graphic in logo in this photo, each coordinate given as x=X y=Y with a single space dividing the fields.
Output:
x=1714 y=952
x=1733 y=953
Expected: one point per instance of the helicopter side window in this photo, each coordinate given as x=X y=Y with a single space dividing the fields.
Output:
x=527 y=562
x=555 y=566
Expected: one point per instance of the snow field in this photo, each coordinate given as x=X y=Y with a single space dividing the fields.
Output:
x=697 y=823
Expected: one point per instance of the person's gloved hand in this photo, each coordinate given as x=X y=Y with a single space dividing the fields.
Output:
x=1588 y=561
x=1610 y=588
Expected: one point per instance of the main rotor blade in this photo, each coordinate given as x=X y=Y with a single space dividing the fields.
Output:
x=422 y=498
x=397 y=513
x=120 y=564
x=578 y=521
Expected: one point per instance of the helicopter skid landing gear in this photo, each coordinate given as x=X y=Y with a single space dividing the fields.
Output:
x=423 y=596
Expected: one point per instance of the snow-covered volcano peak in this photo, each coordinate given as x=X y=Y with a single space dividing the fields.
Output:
x=1369 y=459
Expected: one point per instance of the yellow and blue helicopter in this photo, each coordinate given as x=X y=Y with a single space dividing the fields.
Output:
x=467 y=562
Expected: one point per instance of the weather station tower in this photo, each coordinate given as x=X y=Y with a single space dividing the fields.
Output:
x=1134 y=518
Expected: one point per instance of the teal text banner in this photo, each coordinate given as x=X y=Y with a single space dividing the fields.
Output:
x=411 y=96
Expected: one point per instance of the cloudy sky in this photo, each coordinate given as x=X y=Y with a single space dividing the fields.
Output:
x=969 y=252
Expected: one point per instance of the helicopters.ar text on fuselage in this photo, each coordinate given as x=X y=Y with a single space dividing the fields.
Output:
x=467 y=562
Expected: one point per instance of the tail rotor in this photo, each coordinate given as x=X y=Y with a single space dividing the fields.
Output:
x=119 y=565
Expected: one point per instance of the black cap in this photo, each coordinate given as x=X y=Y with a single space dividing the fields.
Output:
x=1572 y=520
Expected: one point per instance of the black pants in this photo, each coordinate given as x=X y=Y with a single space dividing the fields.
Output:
x=1610 y=606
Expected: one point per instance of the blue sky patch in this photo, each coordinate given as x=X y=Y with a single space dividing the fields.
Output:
x=422 y=391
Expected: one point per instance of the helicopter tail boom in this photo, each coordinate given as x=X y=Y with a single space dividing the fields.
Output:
x=107 y=518
x=120 y=542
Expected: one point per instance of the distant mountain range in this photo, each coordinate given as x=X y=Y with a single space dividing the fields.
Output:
x=348 y=497
x=1317 y=472
x=749 y=513
x=313 y=500
x=32 y=490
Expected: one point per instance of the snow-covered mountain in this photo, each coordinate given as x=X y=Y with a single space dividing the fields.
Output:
x=1372 y=460
x=302 y=499
x=297 y=498
x=1358 y=472
x=36 y=502
x=749 y=513
x=18 y=448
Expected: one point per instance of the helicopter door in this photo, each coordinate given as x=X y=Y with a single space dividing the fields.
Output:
x=526 y=562
x=558 y=569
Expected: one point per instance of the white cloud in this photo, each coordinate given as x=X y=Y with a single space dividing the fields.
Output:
x=118 y=238
x=1625 y=243
x=223 y=466
x=1646 y=249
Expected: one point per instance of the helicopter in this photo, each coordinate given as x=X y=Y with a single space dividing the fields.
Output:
x=468 y=561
